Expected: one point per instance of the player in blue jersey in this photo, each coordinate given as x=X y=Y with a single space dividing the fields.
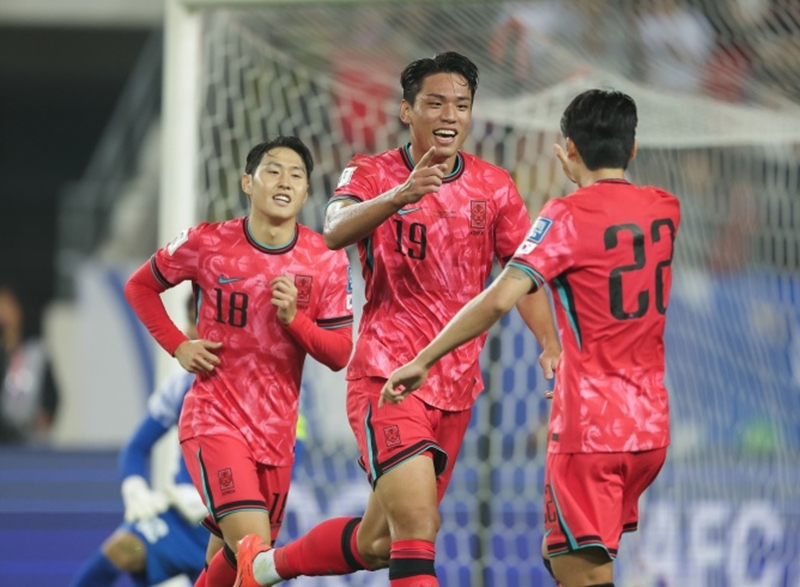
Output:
x=161 y=536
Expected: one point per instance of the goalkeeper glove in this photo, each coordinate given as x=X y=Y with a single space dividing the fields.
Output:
x=185 y=499
x=140 y=501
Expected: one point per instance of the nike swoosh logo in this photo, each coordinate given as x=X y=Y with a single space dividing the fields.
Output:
x=404 y=211
x=223 y=280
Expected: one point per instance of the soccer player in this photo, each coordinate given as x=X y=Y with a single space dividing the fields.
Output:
x=270 y=292
x=161 y=537
x=607 y=250
x=429 y=220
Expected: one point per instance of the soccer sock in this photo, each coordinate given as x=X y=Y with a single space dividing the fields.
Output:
x=329 y=548
x=411 y=564
x=97 y=571
x=222 y=569
x=201 y=578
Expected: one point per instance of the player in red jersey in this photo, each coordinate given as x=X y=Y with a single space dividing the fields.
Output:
x=269 y=292
x=606 y=250
x=429 y=220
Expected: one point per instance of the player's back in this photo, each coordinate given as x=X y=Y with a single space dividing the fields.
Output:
x=621 y=278
x=611 y=302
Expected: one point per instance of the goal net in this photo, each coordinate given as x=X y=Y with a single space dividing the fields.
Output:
x=718 y=90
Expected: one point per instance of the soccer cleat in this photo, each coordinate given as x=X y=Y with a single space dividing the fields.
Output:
x=249 y=547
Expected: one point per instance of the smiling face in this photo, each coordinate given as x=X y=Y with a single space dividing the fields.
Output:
x=439 y=117
x=278 y=187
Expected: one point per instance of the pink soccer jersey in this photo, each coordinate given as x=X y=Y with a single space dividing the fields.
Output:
x=255 y=388
x=425 y=262
x=606 y=251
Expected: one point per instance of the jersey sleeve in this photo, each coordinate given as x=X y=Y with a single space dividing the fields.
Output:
x=358 y=181
x=335 y=308
x=179 y=260
x=551 y=245
x=512 y=222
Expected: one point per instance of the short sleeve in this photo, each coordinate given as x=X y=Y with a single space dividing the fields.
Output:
x=179 y=260
x=358 y=181
x=335 y=308
x=550 y=247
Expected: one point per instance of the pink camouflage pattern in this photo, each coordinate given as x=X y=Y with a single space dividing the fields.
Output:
x=609 y=394
x=425 y=262
x=254 y=390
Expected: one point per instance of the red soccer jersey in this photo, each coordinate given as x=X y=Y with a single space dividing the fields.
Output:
x=425 y=262
x=255 y=388
x=606 y=251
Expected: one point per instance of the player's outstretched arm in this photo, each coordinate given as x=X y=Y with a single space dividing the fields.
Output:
x=347 y=222
x=475 y=318
x=535 y=311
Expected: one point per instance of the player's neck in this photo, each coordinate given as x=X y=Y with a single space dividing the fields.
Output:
x=271 y=233
x=588 y=177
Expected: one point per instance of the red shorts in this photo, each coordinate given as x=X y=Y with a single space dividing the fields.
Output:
x=394 y=433
x=230 y=481
x=590 y=499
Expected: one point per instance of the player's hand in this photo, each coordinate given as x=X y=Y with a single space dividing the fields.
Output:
x=402 y=382
x=548 y=361
x=284 y=297
x=185 y=499
x=141 y=502
x=196 y=356
x=565 y=164
x=425 y=178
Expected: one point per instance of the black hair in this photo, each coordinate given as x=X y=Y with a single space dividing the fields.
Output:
x=602 y=124
x=414 y=74
x=257 y=153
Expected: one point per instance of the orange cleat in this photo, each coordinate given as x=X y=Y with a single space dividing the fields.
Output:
x=249 y=546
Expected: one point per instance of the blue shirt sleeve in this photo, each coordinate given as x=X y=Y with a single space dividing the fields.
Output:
x=135 y=456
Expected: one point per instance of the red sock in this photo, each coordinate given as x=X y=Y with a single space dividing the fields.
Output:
x=222 y=569
x=328 y=549
x=201 y=578
x=411 y=564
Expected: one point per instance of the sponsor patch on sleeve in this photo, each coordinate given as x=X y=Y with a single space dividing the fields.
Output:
x=539 y=229
x=346 y=176
x=178 y=241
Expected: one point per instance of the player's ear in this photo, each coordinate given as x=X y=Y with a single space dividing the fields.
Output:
x=634 y=150
x=247 y=183
x=405 y=112
x=572 y=150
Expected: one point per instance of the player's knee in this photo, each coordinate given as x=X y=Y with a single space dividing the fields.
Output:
x=126 y=551
x=375 y=553
x=421 y=522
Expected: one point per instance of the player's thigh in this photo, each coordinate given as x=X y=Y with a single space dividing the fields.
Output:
x=408 y=496
x=589 y=566
x=373 y=539
x=126 y=551
x=215 y=544
x=449 y=434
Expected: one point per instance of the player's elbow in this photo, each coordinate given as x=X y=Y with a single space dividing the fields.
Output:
x=333 y=240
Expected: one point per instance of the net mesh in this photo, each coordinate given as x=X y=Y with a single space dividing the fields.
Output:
x=718 y=90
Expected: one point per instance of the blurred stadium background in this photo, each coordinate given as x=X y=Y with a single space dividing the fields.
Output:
x=157 y=103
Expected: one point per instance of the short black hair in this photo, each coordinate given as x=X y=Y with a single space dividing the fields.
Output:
x=602 y=124
x=414 y=74
x=257 y=153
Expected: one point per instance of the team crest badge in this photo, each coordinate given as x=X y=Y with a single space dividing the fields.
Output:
x=303 y=284
x=477 y=214
x=226 y=484
x=392 y=435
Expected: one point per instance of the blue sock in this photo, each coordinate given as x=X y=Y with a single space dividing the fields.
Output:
x=97 y=571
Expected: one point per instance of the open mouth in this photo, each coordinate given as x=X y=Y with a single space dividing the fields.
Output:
x=282 y=199
x=445 y=135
